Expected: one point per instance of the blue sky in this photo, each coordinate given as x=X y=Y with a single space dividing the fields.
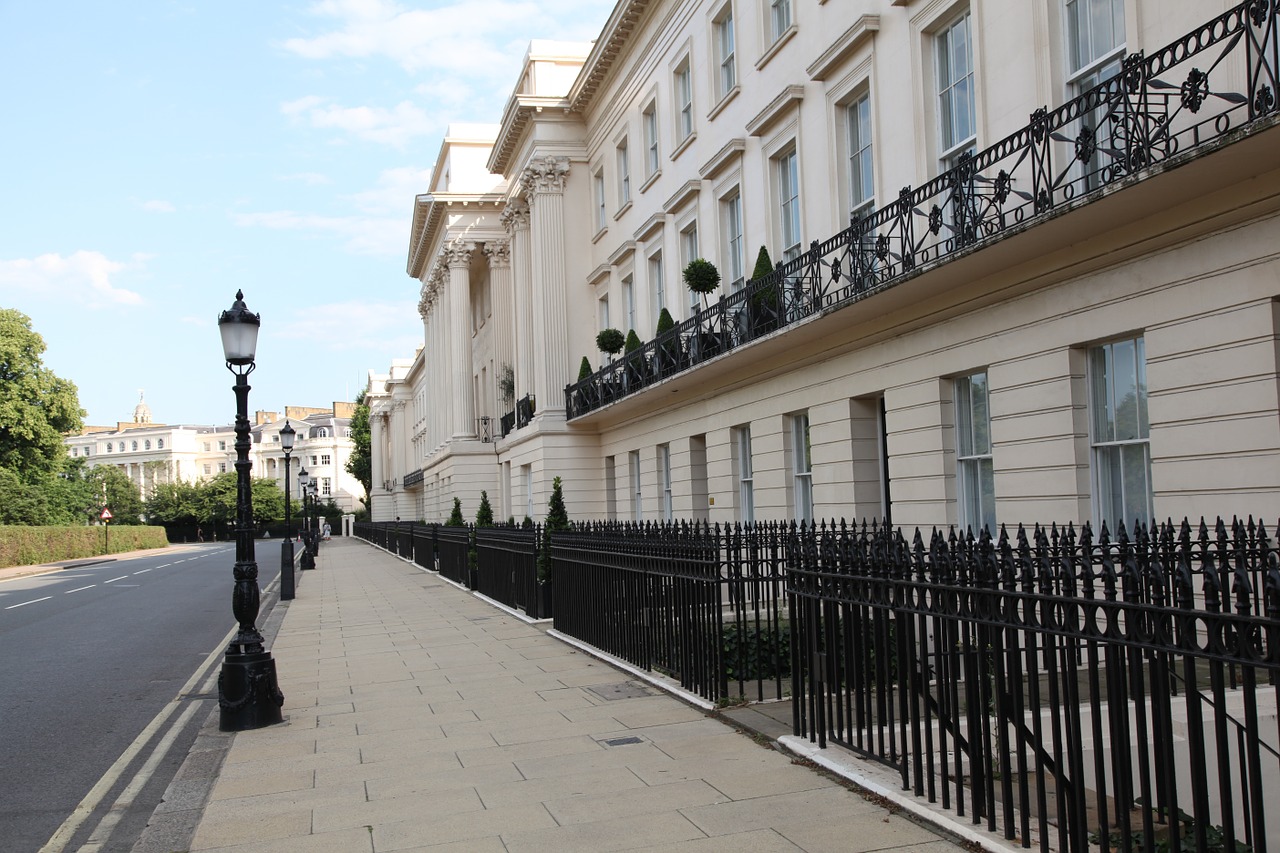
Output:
x=158 y=155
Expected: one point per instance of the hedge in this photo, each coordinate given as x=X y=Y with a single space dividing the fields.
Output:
x=22 y=545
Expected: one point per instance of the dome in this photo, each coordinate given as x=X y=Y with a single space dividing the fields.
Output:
x=141 y=412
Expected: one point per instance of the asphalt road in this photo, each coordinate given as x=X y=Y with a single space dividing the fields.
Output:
x=88 y=657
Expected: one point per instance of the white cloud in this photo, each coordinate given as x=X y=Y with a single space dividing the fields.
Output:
x=158 y=206
x=85 y=277
x=396 y=126
x=395 y=191
x=391 y=328
x=361 y=235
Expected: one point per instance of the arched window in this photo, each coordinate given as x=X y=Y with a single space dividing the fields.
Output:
x=135 y=446
x=108 y=447
x=159 y=444
x=347 y=432
x=324 y=433
x=146 y=445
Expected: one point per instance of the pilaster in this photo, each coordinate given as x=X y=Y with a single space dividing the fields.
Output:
x=544 y=182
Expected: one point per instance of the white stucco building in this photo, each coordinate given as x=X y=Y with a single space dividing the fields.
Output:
x=151 y=453
x=1054 y=303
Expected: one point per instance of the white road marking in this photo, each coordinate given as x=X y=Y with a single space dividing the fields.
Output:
x=79 y=588
x=142 y=571
x=32 y=601
x=113 y=580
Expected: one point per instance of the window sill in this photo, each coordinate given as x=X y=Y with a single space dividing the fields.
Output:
x=781 y=42
x=649 y=181
x=595 y=238
x=724 y=102
x=622 y=210
x=683 y=146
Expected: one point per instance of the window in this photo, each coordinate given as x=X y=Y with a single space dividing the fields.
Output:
x=779 y=18
x=1121 y=432
x=629 y=302
x=222 y=467
x=602 y=312
x=802 y=467
x=1095 y=50
x=208 y=470
x=858 y=130
x=657 y=283
x=324 y=459
x=159 y=444
x=346 y=432
x=325 y=485
x=664 y=471
x=731 y=226
x=146 y=445
x=684 y=100
x=789 y=203
x=598 y=183
x=108 y=447
x=637 y=494
x=624 y=175
x=75 y=451
x=133 y=445
x=746 y=479
x=222 y=445
x=88 y=451
x=314 y=462
x=207 y=447
x=957 y=124
x=688 y=253
x=650 y=121
x=974 y=472
x=323 y=433
x=728 y=75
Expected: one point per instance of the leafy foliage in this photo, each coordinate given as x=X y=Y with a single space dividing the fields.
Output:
x=507 y=384
x=584 y=369
x=610 y=341
x=557 y=519
x=701 y=276
x=36 y=406
x=756 y=651
x=455 y=517
x=763 y=266
x=665 y=323
x=633 y=340
x=484 y=515
x=360 y=462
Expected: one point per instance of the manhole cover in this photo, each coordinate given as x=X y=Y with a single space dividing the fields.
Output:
x=621 y=741
x=625 y=690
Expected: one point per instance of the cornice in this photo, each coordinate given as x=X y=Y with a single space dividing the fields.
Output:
x=683 y=195
x=722 y=158
x=519 y=112
x=429 y=209
x=862 y=30
x=615 y=34
x=767 y=117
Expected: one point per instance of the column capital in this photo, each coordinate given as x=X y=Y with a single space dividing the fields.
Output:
x=458 y=254
x=515 y=215
x=498 y=252
x=545 y=175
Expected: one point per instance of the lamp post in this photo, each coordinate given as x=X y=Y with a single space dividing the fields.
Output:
x=248 y=695
x=287 y=587
x=308 y=556
x=318 y=533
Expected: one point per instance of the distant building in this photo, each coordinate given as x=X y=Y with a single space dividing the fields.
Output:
x=151 y=453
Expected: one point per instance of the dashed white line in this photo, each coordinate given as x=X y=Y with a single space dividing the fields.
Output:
x=113 y=580
x=79 y=588
x=142 y=571
x=165 y=566
x=32 y=601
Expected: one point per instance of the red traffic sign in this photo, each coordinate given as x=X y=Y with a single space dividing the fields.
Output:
x=106 y=514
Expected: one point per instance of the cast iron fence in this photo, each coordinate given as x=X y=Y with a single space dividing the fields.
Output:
x=507 y=567
x=1067 y=690
x=1158 y=110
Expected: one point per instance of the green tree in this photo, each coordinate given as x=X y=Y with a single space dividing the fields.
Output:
x=113 y=488
x=557 y=519
x=218 y=497
x=484 y=515
x=584 y=369
x=21 y=502
x=360 y=463
x=36 y=406
x=665 y=323
x=175 y=503
x=455 y=517
x=763 y=266
x=633 y=341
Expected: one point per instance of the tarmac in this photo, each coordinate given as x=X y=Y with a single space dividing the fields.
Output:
x=419 y=716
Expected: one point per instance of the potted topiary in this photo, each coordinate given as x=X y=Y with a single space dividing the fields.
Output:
x=610 y=342
x=634 y=361
x=669 y=352
x=507 y=386
x=702 y=278
x=764 y=301
x=584 y=369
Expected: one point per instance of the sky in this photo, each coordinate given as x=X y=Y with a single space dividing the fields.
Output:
x=156 y=156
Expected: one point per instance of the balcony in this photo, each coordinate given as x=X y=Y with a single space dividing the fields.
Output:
x=1214 y=86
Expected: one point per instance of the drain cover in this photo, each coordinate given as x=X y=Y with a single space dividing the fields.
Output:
x=621 y=741
x=624 y=690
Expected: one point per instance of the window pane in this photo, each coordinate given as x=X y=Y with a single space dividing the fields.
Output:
x=1100 y=386
x=1125 y=393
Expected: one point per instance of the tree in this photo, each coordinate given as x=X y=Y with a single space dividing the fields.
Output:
x=36 y=406
x=633 y=341
x=557 y=519
x=113 y=489
x=484 y=515
x=175 y=504
x=665 y=323
x=455 y=517
x=360 y=463
x=610 y=341
x=584 y=369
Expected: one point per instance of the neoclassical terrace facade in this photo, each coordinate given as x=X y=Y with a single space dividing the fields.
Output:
x=1027 y=270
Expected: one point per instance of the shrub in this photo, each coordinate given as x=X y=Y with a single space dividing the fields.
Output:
x=610 y=341
x=756 y=652
x=584 y=370
x=701 y=276
x=484 y=515
x=763 y=266
x=665 y=323
x=455 y=517
x=25 y=545
x=557 y=519
x=633 y=340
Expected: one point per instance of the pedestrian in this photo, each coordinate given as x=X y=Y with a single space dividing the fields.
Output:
x=199 y=535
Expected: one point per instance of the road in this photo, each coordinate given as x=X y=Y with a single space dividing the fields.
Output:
x=88 y=658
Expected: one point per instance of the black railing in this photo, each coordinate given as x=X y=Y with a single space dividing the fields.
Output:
x=525 y=408
x=413 y=478
x=507 y=567
x=1159 y=108
x=453 y=553
x=507 y=423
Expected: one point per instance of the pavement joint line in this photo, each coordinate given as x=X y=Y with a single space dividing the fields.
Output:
x=62 y=836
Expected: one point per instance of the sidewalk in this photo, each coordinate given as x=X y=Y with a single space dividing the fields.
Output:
x=420 y=717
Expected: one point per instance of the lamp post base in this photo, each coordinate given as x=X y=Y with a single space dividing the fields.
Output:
x=248 y=695
x=287 y=585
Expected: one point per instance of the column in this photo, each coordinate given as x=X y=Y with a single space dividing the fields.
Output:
x=544 y=182
x=444 y=360
x=499 y=254
x=464 y=404
x=516 y=220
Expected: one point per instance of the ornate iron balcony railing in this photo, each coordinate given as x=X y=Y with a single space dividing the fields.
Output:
x=413 y=478
x=1156 y=108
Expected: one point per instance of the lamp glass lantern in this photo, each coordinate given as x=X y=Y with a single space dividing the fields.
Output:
x=239 y=328
x=287 y=434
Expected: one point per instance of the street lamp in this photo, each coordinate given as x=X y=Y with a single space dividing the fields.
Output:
x=287 y=587
x=308 y=557
x=248 y=694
